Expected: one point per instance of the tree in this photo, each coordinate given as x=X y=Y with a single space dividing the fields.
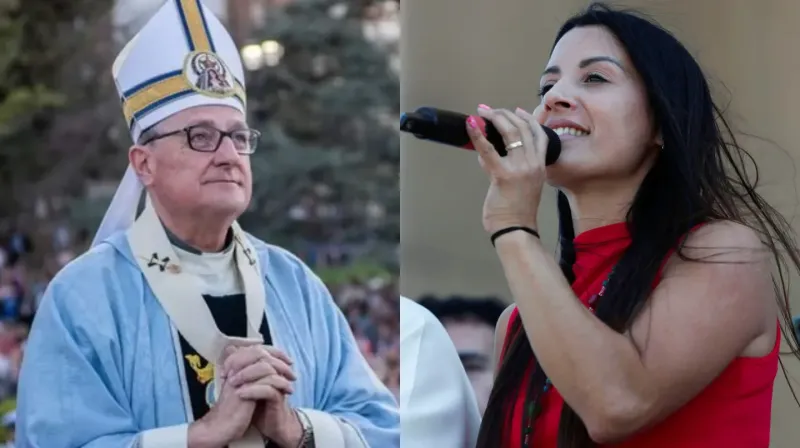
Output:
x=56 y=100
x=327 y=166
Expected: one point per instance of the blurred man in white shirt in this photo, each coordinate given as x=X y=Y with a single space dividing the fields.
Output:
x=470 y=323
x=437 y=402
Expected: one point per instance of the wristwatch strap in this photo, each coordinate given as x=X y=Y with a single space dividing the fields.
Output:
x=307 y=440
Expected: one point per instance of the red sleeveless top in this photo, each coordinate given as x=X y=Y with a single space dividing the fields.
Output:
x=733 y=411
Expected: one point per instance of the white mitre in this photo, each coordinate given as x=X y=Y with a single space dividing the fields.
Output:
x=183 y=57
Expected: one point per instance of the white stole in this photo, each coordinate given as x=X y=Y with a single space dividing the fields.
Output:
x=180 y=295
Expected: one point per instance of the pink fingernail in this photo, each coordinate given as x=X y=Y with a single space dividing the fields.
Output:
x=483 y=106
x=472 y=122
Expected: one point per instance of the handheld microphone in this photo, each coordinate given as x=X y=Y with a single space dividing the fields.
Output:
x=449 y=128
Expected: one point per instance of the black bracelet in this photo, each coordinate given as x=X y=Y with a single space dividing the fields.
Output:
x=502 y=232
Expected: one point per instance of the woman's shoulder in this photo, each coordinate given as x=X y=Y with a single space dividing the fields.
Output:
x=723 y=241
x=505 y=319
x=723 y=248
x=729 y=267
x=501 y=330
x=724 y=232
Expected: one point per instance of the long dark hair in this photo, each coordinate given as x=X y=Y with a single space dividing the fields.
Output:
x=699 y=176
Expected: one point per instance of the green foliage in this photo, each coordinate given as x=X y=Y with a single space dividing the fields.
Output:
x=328 y=113
x=53 y=58
x=6 y=406
x=360 y=272
x=22 y=101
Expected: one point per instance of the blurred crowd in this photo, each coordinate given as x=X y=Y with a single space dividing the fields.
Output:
x=371 y=308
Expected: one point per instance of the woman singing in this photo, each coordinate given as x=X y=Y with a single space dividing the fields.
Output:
x=660 y=325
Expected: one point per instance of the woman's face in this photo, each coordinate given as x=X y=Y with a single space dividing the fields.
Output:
x=594 y=98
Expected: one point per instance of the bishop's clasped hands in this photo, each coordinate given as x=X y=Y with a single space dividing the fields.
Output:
x=255 y=380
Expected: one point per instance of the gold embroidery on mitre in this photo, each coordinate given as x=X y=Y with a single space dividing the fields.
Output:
x=193 y=18
x=204 y=374
x=207 y=74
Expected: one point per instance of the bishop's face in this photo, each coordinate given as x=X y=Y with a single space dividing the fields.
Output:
x=201 y=183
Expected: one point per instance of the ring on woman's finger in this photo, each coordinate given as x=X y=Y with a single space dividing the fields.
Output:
x=514 y=145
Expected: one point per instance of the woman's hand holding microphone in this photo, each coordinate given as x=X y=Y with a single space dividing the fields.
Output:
x=517 y=179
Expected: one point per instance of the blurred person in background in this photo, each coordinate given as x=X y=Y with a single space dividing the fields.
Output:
x=437 y=403
x=14 y=276
x=12 y=346
x=470 y=323
x=660 y=326
x=12 y=336
x=361 y=321
x=391 y=376
x=166 y=332
x=11 y=294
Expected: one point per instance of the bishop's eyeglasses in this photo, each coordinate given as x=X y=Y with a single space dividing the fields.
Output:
x=203 y=138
